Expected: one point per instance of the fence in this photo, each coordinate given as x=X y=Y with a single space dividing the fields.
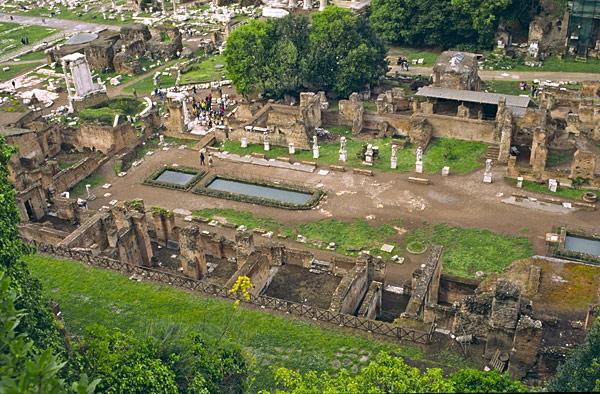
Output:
x=306 y=311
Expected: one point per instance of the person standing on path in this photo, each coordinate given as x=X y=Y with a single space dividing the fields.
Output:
x=210 y=160
x=201 y=158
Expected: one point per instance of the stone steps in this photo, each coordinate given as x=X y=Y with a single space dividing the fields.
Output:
x=492 y=153
x=319 y=267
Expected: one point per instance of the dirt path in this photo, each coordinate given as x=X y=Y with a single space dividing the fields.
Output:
x=457 y=200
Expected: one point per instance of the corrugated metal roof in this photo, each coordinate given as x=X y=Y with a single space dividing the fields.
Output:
x=517 y=104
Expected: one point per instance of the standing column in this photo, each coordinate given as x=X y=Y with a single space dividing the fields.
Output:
x=174 y=8
x=322 y=5
x=306 y=5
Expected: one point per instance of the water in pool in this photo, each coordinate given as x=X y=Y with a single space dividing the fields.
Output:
x=175 y=177
x=583 y=245
x=249 y=189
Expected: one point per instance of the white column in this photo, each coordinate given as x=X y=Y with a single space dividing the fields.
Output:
x=292 y=3
x=306 y=5
x=174 y=8
x=322 y=5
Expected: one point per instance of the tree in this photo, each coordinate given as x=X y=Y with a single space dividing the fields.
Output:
x=389 y=374
x=122 y=362
x=484 y=16
x=246 y=56
x=39 y=323
x=581 y=370
x=474 y=381
x=335 y=35
x=442 y=23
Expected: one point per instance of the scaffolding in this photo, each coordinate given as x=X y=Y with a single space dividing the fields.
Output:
x=584 y=26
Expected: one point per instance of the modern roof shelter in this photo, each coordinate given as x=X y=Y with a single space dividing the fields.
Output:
x=517 y=104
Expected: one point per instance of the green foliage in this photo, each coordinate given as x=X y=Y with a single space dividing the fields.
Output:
x=442 y=23
x=581 y=370
x=122 y=362
x=38 y=323
x=93 y=295
x=337 y=38
x=202 y=365
x=105 y=112
x=475 y=381
x=392 y=375
x=562 y=191
x=338 y=51
x=468 y=250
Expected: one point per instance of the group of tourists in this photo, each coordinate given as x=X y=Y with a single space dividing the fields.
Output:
x=203 y=157
x=207 y=113
x=403 y=63
x=534 y=88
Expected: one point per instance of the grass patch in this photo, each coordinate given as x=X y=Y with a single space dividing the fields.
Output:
x=430 y=55
x=146 y=85
x=505 y=87
x=90 y=295
x=105 y=112
x=243 y=218
x=12 y=33
x=339 y=130
x=564 y=192
x=15 y=70
x=93 y=15
x=79 y=189
x=12 y=104
x=31 y=56
x=350 y=237
x=462 y=156
x=468 y=250
x=568 y=64
x=205 y=71
x=556 y=158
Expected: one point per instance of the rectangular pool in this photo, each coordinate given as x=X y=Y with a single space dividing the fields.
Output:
x=260 y=191
x=175 y=178
x=583 y=245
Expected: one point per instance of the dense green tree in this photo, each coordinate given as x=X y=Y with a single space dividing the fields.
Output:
x=122 y=362
x=279 y=57
x=247 y=56
x=389 y=374
x=203 y=365
x=38 y=323
x=442 y=23
x=335 y=35
x=475 y=381
x=581 y=371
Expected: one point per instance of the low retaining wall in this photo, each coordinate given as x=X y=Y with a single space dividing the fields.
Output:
x=306 y=311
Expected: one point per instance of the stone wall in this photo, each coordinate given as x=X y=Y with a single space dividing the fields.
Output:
x=106 y=139
x=425 y=284
x=69 y=177
x=98 y=233
x=371 y=306
x=353 y=287
x=35 y=232
x=455 y=289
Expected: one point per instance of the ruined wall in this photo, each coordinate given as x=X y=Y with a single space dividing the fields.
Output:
x=35 y=232
x=97 y=233
x=352 y=288
x=425 y=284
x=455 y=289
x=69 y=177
x=371 y=306
x=462 y=129
x=106 y=139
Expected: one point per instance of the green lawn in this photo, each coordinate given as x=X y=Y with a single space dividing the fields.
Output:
x=79 y=189
x=564 y=192
x=39 y=55
x=12 y=33
x=205 y=71
x=468 y=250
x=461 y=156
x=350 y=237
x=106 y=111
x=430 y=55
x=556 y=158
x=505 y=87
x=569 y=64
x=15 y=70
x=93 y=15
x=89 y=295
x=146 y=85
x=13 y=104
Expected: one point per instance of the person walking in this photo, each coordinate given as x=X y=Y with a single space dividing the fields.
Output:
x=210 y=160
x=201 y=158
